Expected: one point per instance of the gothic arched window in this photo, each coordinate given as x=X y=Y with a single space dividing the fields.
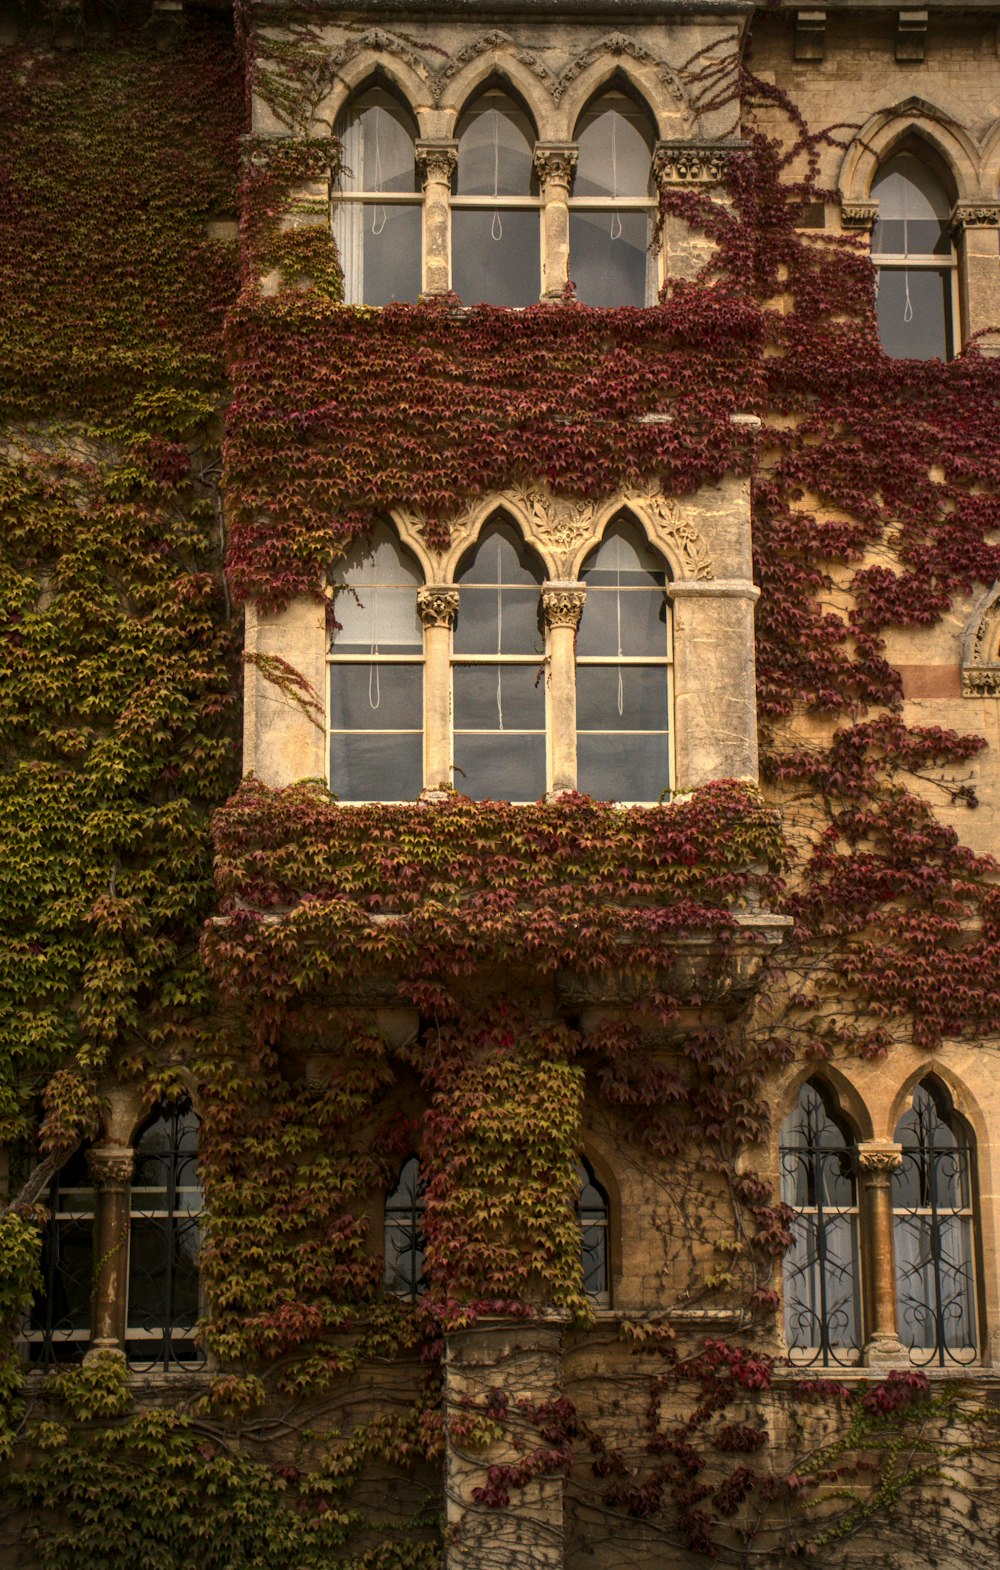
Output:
x=498 y=693
x=593 y=1210
x=820 y=1271
x=933 y=1231
x=611 y=209
x=623 y=657
x=404 y=1233
x=58 y=1329
x=164 y=1231
x=377 y=206
x=376 y=709
x=496 y=225
x=914 y=261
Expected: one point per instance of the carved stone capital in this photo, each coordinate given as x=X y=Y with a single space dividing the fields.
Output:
x=858 y=215
x=974 y=215
x=436 y=161
x=981 y=648
x=562 y=603
x=110 y=1165
x=692 y=163
x=555 y=162
x=877 y=1156
x=437 y=607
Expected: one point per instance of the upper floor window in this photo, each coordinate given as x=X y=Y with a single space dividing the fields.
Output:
x=404 y=1233
x=820 y=1272
x=377 y=209
x=164 y=1223
x=376 y=674
x=495 y=206
x=933 y=1231
x=623 y=662
x=593 y=1210
x=611 y=209
x=497 y=671
x=58 y=1327
x=915 y=268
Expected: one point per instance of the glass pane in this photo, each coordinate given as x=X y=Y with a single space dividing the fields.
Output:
x=382 y=242
x=499 y=622
x=914 y=312
x=622 y=768
x=498 y=697
x=595 y=1260
x=820 y=1278
x=377 y=136
x=634 y=621
x=67 y=1266
x=163 y=1276
x=496 y=256
x=501 y=556
x=501 y=767
x=376 y=696
x=496 y=143
x=623 y=558
x=377 y=605
x=642 y=698
x=377 y=767
x=913 y=209
x=616 y=149
x=609 y=257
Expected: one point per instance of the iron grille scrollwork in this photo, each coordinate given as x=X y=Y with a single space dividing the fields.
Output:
x=164 y=1231
x=404 y=1233
x=592 y=1212
x=57 y=1329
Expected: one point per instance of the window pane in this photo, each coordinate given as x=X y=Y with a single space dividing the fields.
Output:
x=376 y=767
x=913 y=209
x=376 y=696
x=380 y=251
x=504 y=622
x=377 y=136
x=820 y=1277
x=163 y=1277
x=914 y=312
x=496 y=256
x=642 y=697
x=622 y=767
x=616 y=149
x=608 y=257
x=495 y=146
x=501 y=767
x=499 y=697
x=635 y=620
x=595 y=1261
x=501 y=556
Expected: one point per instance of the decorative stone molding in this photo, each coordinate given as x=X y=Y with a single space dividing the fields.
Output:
x=672 y=528
x=879 y=1156
x=981 y=648
x=616 y=46
x=437 y=607
x=489 y=42
x=974 y=215
x=559 y=521
x=911 y=35
x=110 y=1165
x=692 y=163
x=555 y=162
x=562 y=603
x=858 y=215
x=436 y=161
x=810 y=35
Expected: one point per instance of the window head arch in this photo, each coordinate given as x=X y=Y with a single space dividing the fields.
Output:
x=164 y=1233
x=496 y=251
x=377 y=206
x=611 y=211
x=821 y=1271
x=404 y=1233
x=376 y=675
x=593 y=1210
x=933 y=1230
x=623 y=678
x=914 y=258
x=498 y=698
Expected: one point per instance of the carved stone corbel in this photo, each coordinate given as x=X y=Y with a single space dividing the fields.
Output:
x=562 y=603
x=555 y=163
x=436 y=161
x=437 y=607
x=981 y=649
x=974 y=215
x=692 y=163
x=858 y=215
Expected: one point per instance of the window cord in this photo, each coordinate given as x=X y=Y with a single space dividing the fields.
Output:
x=616 y=223
x=496 y=227
x=618 y=597
x=378 y=179
x=908 y=307
x=499 y=642
x=374 y=675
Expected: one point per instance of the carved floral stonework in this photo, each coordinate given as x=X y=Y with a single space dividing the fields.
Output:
x=858 y=215
x=436 y=161
x=974 y=215
x=691 y=163
x=562 y=604
x=560 y=522
x=880 y=1155
x=437 y=607
x=109 y=1167
x=555 y=163
x=981 y=649
x=672 y=528
x=494 y=40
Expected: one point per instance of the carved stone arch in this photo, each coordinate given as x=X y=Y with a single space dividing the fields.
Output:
x=847 y=1100
x=600 y=1154
x=497 y=62
x=666 y=528
x=981 y=648
x=951 y=147
x=409 y=524
x=989 y=167
x=191 y=1090
x=358 y=71
x=956 y=1092
x=619 y=61
x=524 y=506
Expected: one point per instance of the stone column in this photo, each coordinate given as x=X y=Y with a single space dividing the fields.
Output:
x=555 y=165
x=715 y=699
x=436 y=163
x=562 y=606
x=111 y=1169
x=522 y=1361
x=975 y=226
x=878 y=1159
x=438 y=609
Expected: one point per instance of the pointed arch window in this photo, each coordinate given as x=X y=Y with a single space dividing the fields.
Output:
x=164 y=1232
x=498 y=693
x=593 y=1210
x=612 y=208
x=821 y=1270
x=377 y=218
x=496 y=223
x=915 y=265
x=58 y=1329
x=933 y=1231
x=376 y=674
x=623 y=671
x=404 y=1233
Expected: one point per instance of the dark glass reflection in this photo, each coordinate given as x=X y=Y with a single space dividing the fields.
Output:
x=914 y=313
x=496 y=256
x=58 y=1326
x=914 y=301
x=379 y=242
x=163 y=1291
x=404 y=1239
x=609 y=257
x=593 y=1211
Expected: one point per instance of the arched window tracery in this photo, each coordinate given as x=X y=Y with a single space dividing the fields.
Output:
x=404 y=1233
x=915 y=265
x=377 y=205
x=611 y=207
x=593 y=1210
x=496 y=227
